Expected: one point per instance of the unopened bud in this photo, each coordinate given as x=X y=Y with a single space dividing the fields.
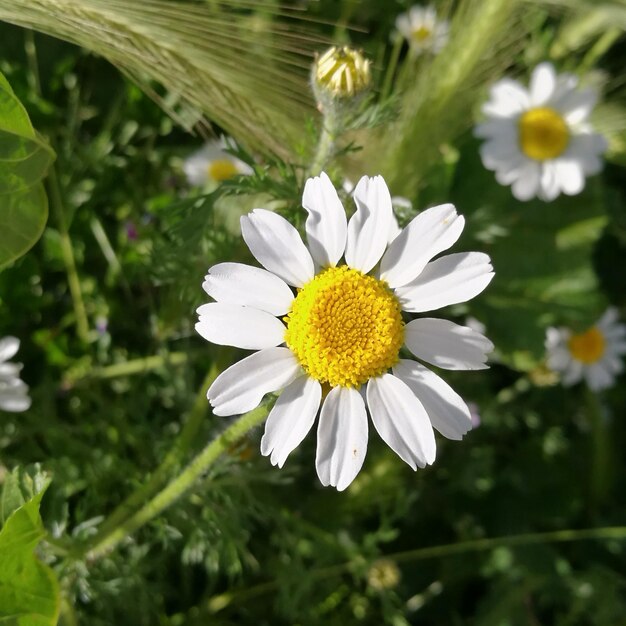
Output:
x=341 y=73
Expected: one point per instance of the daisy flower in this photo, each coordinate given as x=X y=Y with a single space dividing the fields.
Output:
x=336 y=341
x=422 y=30
x=539 y=140
x=594 y=355
x=213 y=164
x=13 y=390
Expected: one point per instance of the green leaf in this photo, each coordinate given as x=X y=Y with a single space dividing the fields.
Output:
x=24 y=160
x=29 y=591
x=23 y=217
x=20 y=486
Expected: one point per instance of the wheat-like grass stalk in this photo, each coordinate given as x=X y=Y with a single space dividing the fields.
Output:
x=484 y=39
x=241 y=64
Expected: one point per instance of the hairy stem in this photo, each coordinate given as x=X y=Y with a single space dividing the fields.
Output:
x=174 y=458
x=326 y=144
x=127 y=368
x=221 y=601
x=176 y=488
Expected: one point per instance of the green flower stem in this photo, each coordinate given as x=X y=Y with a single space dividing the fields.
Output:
x=173 y=459
x=599 y=48
x=177 y=487
x=391 y=68
x=326 y=145
x=56 y=201
x=600 y=448
x=128 y=368
x=221 y=601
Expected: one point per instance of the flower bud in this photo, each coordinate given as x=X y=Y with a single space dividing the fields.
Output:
x=340 y=73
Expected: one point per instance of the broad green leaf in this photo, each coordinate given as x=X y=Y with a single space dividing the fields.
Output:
x=24 y=161
x=29 y=591
x=22 y=220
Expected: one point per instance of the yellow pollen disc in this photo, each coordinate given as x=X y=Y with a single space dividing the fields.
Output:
x=421 y=34
x=543 y=134
x=345 y=327
x=221 y=169
x=588 y=347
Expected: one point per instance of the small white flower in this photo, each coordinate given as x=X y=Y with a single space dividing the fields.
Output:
x=422 y=30
x=211 y=164
x=539 y=140
x=342 y=330
x=13 y=390
x=594 y=355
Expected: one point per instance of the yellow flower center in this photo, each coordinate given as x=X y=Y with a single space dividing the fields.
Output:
x=543 y=133
x=421 y=33
x=221 y=169
x=345 y=327
x=588 y=347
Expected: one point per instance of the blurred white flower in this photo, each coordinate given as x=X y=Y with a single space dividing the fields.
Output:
x=317 y=323
x=539 y=140
x=594 y=355
x=212 y=164
x=13 y=390
x=422 y=29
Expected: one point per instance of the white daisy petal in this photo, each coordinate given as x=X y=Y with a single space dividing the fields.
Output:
x=10 y=371
x=403 y=25
x=570 y=176
x=508 y=98
x=598 y=377
x=15 y=400
x=242 y=386
x=542 y=84
x=8 y=348
x=587 y=148
x=236 y=283
x=428 y=234
x=617 y=347
x=449 y=280
x=605 y=323
x=291 y=419
x=446 y=409
x=277 y=246
x=341 y=438
x=369 y=226
x=549 y=183
x=394 y=229
x=401 y=420
x=573 y=374
x=326 y=226
x=239 y=326
x=613 y=363
x=527 y=183
x=577 y=106
x=446 y=344
x=559 y=359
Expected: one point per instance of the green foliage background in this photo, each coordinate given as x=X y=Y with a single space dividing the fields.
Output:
x=129 y=242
